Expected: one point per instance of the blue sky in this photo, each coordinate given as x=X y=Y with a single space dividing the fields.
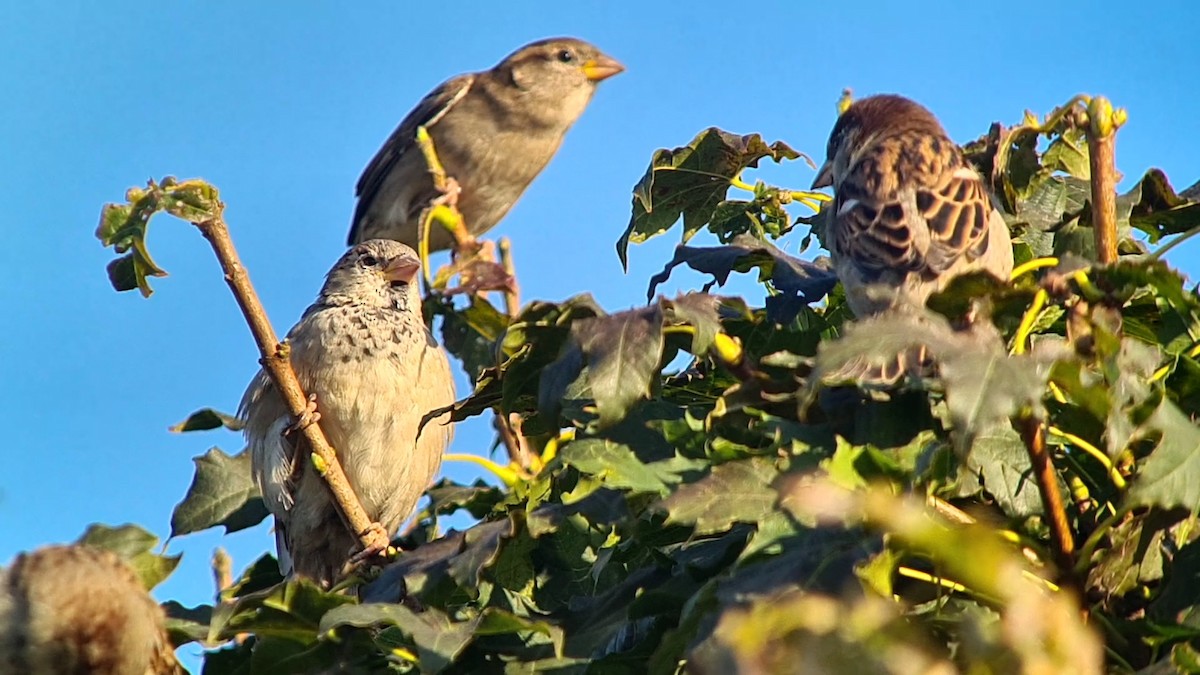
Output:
x=281 y=106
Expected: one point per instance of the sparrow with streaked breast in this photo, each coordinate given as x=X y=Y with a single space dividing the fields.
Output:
x=493 y=131
x=363 y=351
x=908 y=213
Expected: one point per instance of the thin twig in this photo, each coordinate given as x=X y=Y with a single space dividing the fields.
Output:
x=512 y=294
x=1034 y=434
x=277 y=364
x=1102 y=139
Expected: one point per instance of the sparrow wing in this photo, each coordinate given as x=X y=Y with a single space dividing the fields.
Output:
x=431 y=109
x=956 y=210
x=926 y=228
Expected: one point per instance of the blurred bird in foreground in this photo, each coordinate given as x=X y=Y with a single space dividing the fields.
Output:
x=77 y=609
x=909 y=214
x=493 y=131
x=363 y=352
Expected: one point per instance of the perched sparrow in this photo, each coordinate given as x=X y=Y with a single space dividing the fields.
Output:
x=78 y=609
x=909 y=213
x=362 y=350
x=493 y=131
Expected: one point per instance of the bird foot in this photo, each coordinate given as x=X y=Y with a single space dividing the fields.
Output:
x=309 y=417
x=450 y=192
x=379 y=544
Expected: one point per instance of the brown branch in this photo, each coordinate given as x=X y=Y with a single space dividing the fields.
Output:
x=1033 y=432
x=1101 y=131
x=277 y=364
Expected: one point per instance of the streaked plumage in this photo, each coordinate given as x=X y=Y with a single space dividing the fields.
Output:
x=363 y=349
x=909 y=213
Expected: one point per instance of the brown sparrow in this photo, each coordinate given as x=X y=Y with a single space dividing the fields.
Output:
x=363 y=351
x=494 y=131
x=908 y=213
x=79 y=609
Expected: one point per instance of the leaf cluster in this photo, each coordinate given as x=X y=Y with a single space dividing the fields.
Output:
x=705 y=499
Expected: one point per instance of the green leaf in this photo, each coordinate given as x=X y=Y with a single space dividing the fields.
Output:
x=614 y=463
x=999 y=457
x=698 y=310
x=186 y=625
x=691 y=181
x=222 y=493
x=206 y=419
x=124 y=226
x=801 y=281
x=621 y=352
x=136 y=546
x=1170 y=476
x=738 y=491
x=984 y=385
x=438 y=639
x=1155 y=209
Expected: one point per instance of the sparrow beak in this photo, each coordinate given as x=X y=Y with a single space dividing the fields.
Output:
x=601 y=68
x=824 y=177
x=401 y=269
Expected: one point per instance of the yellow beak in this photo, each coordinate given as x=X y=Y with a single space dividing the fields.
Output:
x=601 y=68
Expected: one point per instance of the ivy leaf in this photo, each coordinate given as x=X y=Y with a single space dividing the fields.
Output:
x=691 y=181
x=222 y=493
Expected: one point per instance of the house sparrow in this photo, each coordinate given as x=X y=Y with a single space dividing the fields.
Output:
x=493 y=131
x=78 y=609
x=363 y=351
x=908 y=213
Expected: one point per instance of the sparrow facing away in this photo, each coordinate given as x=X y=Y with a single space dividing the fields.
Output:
x=494 y=131
x=908 y=213
x=78 y=609
x=362 y=349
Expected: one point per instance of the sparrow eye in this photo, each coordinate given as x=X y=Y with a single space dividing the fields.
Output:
x=369 y=261
x=566 y=55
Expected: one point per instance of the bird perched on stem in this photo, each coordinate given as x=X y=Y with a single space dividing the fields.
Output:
x=79 y=609
x=362 y=351
x=494 y=131
x=908 y=214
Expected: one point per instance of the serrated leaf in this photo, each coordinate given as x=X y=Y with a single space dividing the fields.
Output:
x=738 y=491
x=999 y=457
x=621 y=353
x=438 y=639
x=222 y=493
x=614 y=463
x=1170 y=477
x=691 y=181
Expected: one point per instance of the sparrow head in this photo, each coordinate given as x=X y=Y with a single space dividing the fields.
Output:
x=866 y=122
x=557 y=75
x=375 y=273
